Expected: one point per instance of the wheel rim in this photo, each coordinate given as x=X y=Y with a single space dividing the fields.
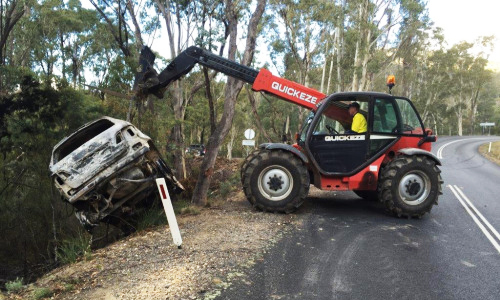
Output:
x=275 y=183
x=414 y=187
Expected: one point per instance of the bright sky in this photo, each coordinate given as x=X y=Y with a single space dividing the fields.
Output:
x=466 y=20
x=461 y=20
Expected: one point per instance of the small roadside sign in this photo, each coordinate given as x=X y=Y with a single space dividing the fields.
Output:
x=487 y=124
x=249 y=134
x=249 y=143
x=169 y=211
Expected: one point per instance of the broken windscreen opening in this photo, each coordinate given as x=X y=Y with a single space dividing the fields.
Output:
x=81 y=138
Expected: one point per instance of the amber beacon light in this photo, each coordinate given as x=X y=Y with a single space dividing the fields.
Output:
x=391 y=82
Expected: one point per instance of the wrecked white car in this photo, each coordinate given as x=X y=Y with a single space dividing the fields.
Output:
x=105 y=169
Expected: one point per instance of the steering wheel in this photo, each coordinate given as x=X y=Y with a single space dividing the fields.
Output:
x=407 y=127
x=332 y=131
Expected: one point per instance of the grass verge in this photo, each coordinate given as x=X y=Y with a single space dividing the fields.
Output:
x=72 y=249
x=42 y=293
x=494 y=155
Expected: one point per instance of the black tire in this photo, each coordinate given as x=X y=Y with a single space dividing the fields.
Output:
x=287 y=184
x=409 y=186
x=246 y=161
x=367 y=195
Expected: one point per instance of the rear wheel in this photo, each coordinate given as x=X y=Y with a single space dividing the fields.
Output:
x=410 y=186
x=275 y=181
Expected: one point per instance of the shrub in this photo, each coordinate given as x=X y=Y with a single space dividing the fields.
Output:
x=152 y=217
x=41 y=293
x=72 y=249
x=190 y=210
x=226 y=188
x=68 y=287
x=230 y=185
x=14 y=285
x=180 y=205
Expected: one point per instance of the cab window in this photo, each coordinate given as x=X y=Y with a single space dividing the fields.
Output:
x=384 y=116
x=327 y=126
x=305 y=127
x=409 y=118
x=335 y=118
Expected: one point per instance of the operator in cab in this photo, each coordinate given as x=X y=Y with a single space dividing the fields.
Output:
x=359 y=124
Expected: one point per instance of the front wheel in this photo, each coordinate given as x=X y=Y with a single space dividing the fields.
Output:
x=410 y=185
x=275 y=181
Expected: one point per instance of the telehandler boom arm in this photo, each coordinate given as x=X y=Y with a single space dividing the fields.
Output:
x=148 y=81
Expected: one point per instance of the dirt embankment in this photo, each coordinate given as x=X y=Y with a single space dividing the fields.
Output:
x=218 y=244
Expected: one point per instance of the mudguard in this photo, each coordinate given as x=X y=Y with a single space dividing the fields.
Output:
x=416 y=151
x=289 y=148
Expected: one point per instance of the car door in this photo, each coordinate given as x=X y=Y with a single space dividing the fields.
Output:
x=334 y=150
x=384 y=124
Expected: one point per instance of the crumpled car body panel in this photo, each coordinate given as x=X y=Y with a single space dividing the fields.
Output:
x=106 y=167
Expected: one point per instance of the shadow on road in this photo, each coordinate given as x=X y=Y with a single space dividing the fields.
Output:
x=342 y=204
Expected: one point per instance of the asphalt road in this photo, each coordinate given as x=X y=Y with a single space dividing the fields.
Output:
x=349 y=248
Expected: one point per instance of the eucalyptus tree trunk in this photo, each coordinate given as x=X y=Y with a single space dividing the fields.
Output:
x=436 y=132
x=329 y=78
x=232 y=90
x=211 y=102
x=339 y=46
x=175 y=146
x=473 y=105
x=459 y=114
x=357 y=56
x=323 y=75
x=357 y=64
x=364 y=65
x=258 y=122
x=10 y=13
x=137 y=28
x=230 y=143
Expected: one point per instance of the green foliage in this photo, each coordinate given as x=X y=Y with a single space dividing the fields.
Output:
x=225 y=188
x=32 y=121
x=180 y=205
x=233 y=183
x=69 y=287
x=14 y=285
x=190 y=210
x=41 y=293
x=74 y=248
x=151 y=217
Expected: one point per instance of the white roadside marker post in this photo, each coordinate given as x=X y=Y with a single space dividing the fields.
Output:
x=489 y=148
x=169 y=211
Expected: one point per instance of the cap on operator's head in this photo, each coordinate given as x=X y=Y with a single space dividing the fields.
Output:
x=354 y=104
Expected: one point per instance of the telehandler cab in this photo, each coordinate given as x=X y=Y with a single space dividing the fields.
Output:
x=390 y=162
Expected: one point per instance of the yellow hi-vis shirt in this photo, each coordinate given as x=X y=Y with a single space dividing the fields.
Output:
x=359 y=123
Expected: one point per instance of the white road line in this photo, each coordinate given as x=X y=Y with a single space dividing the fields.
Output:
x=481 y=226
x=478 y=213
x=440 y=150
x=439 y=153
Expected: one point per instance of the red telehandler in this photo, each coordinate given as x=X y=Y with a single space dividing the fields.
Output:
x=390 y=162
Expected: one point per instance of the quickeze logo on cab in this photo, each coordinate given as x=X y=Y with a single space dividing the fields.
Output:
x=293 y=92
x=341 y=138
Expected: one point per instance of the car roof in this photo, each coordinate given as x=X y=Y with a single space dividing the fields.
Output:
x=113 y=120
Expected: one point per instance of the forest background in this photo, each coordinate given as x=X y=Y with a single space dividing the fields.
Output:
x=64 y=63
